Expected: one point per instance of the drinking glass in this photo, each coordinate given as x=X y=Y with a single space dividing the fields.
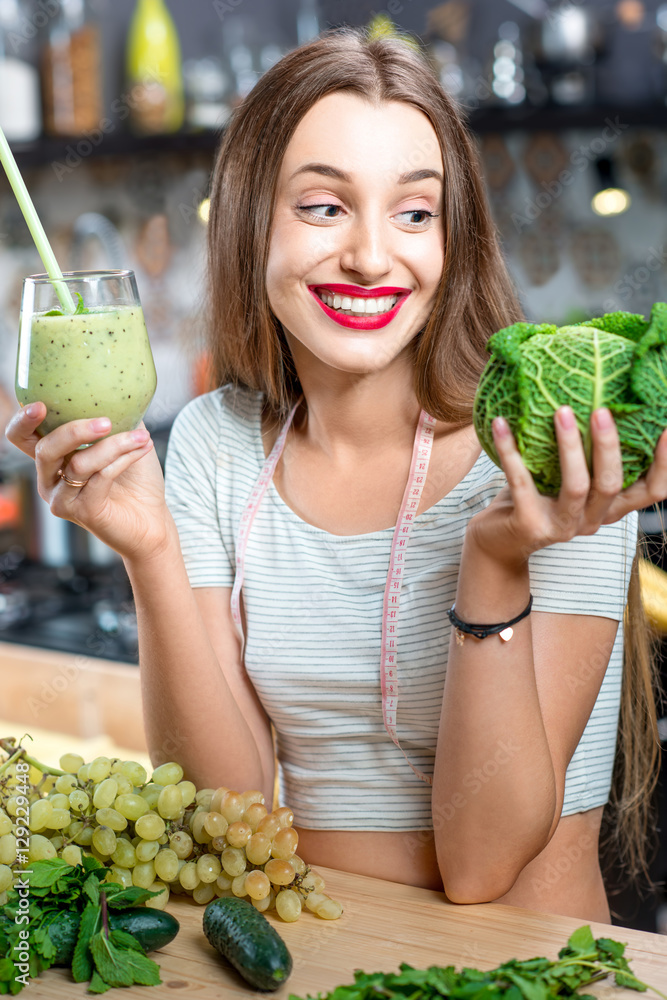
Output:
x=95 y=362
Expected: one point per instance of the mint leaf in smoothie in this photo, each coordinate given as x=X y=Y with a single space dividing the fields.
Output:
x=79 y=311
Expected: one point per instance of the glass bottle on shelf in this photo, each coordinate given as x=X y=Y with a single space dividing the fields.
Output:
x=71 y=72
x=154 y=69
x=20 y=112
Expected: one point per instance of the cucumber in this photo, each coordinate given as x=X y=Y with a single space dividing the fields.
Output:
x=152 y=929
x=243 y=936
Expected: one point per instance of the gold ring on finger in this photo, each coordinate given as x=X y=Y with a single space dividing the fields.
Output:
x=71 y=482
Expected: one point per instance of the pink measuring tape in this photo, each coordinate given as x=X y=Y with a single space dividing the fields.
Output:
x=421 y=455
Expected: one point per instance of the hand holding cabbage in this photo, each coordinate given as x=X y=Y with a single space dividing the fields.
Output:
x=618 y=360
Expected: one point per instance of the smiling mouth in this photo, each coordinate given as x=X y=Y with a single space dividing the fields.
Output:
x=353 y=306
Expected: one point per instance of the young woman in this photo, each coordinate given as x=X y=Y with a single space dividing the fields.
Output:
x=354 y=280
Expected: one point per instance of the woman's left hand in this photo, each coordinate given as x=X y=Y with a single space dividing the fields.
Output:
x=520 y=520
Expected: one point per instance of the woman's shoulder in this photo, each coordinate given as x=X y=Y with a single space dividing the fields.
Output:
x=230 y=413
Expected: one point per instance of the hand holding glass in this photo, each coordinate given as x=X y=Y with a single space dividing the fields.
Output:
x=96 y=362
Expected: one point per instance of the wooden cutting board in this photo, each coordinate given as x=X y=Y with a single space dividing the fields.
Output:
x=383 y=924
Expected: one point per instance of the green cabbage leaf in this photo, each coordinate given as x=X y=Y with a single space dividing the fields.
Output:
x=618 y=360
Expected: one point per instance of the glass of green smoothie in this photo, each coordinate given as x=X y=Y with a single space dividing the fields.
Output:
x=94 y=362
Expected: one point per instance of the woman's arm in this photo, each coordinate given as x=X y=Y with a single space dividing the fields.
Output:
x=513 y=704
x=199 y=706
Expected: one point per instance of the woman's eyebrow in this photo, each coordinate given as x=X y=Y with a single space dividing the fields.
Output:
x=327 y=170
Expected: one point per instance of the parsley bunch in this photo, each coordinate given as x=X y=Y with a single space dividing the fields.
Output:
x=56 y=892
x=582 y=962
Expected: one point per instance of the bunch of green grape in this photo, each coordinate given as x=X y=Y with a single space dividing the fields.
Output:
x=161 y=834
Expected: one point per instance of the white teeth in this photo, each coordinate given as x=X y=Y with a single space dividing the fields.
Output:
x=357 y=306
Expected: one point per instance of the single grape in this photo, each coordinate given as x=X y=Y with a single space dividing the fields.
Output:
x=125 y=855
x=285 y=842
x=85 y=836
x=218 y=844
x=57 y=840
x=40 y=815
x=39 y=848
x=188 y=791
x=239 y=886
x=168 y=774
x=216 y=798
x=71 y=854
x=224 y=881
x=83 y=773
x=170 y=803
x=120 y=875
x=60 y=818
x=269 y=825
x=166 y=864
x=208 y=867
x=12 y=804
x=105 y=793
x=258 y=849
x=99 y=769
x=238 y=834
x=288 y=905
x=216 y=825
x=265 y=904
x=284 y=815
x=131 y=806
x=232 y=806
x=66 y=783
x=70 y=762
x=150 y=826
x=151 y=794
x=253 y=814
x=181 y=843
x=143 y=875
x=125 y=786
x=158 y=902
x=312 y=882
x=59 y=800
x=104 y=840
x=134 y=772
x=78 y=800
x=112 y=818
x=199 y=829
x=233 y=860
x=257 y=884
x=203 y=894
x=5 y=823
x=330 y=909
x=146 y=850
x=6 y=877
x=188 y=876
x=315 y=899
x=279 y=872
x=298 y=864
x=203 y=797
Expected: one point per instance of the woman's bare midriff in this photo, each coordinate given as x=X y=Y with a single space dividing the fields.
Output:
x=564 y=878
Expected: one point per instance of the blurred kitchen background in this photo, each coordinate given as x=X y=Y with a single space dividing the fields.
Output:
x=114 y=110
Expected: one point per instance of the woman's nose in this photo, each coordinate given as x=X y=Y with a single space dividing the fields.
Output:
x=367 y=252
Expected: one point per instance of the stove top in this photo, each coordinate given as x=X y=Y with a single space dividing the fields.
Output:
x=84 y=609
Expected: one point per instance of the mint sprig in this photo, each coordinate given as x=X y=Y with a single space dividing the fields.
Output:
x=102 y=956
x=582 y=962
x=79 y=311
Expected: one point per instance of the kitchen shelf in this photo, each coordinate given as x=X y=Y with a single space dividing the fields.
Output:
x=44 y=152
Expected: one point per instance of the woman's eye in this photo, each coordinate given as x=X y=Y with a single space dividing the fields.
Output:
x=321 y=211
x=419 y=218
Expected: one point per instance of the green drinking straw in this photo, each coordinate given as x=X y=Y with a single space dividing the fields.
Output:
x=34 y=225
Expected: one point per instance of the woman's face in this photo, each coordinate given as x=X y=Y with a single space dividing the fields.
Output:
x=357 y=241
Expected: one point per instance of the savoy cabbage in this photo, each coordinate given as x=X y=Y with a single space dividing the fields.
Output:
x=618 y=361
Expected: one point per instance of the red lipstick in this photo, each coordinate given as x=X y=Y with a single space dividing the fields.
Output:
x=354 y=291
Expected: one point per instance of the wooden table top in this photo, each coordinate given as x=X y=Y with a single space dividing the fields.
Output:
x=383 y=924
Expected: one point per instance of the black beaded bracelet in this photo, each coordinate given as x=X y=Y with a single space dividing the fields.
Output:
x=504 y=629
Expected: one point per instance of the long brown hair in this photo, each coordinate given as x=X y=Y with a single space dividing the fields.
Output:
x=475 y=298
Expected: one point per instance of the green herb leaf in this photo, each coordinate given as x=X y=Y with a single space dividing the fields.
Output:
x=97 y=984
x=82 y=963
x=120 y=966
x=133 y=896
x=46 y=873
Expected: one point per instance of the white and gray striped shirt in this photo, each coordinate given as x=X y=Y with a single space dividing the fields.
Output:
x=313 y=603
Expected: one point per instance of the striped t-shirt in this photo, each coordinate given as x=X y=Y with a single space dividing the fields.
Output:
x=313 y=604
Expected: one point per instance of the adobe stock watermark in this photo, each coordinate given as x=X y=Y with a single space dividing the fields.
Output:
x=555 y=870
x=580 y=159
x=634 y=281
x=21 y=956
x=121 y=107
x=224 y=7
x=45 y=11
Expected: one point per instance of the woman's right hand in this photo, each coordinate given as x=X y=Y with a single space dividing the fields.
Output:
x=122 y=502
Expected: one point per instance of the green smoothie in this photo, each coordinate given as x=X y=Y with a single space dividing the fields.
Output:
x=95 y=364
